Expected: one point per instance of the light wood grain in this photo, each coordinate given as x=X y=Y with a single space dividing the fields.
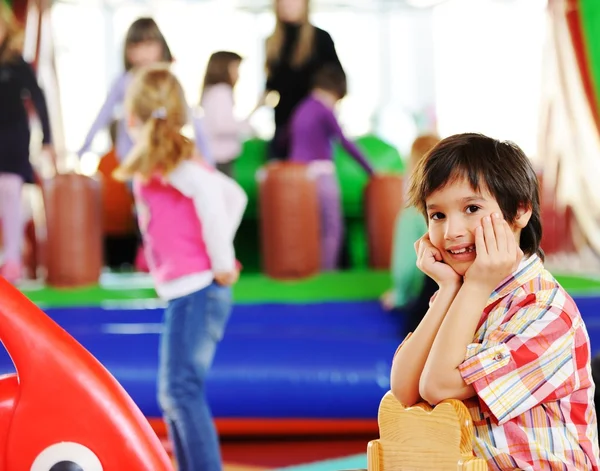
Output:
x=420 y=438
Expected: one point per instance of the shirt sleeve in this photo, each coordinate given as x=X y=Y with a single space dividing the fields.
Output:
x=236 y=201
x=201 y=141
x=116 y=96
x=206 y=190
x=218 y=110
x=30 y=84
x=525 y=361
x=350 y=147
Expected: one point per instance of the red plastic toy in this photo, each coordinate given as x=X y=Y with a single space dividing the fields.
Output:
x=63 y=410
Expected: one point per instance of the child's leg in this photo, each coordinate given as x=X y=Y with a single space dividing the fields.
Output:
x=11 y=213
x=194 y=324
x=331 y=219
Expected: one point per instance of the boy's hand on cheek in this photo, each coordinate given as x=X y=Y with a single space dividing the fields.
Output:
x=498 y=254
x=429 y=261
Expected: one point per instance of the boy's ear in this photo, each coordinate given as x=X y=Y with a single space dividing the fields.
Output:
x=523 y=216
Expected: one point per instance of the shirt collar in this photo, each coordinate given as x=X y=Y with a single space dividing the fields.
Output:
x=529 y=268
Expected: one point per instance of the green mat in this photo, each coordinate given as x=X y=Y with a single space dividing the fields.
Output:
x=255 y=289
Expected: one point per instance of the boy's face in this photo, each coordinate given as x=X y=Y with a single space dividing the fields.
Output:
x=454 y=212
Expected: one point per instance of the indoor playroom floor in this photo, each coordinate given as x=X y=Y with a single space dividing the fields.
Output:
x=291 y=453
x=331 y=454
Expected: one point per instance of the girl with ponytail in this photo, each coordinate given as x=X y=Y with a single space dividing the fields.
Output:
x=188 y=214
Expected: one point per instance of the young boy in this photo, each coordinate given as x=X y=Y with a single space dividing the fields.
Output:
x=313 y=127
x=501 y=334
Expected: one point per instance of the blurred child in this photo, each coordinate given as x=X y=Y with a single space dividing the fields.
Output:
x=412 y=289
x=224 y=131
x=188 y=215
x=313 y=128
x=17 y=80
x=144 y=45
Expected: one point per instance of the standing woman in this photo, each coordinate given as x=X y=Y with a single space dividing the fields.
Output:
x=17 y=82
x=295 y=51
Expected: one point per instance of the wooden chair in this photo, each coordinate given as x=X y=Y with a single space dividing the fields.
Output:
x=422 y=438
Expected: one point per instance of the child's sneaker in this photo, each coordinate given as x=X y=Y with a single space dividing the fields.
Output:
x=12 y=271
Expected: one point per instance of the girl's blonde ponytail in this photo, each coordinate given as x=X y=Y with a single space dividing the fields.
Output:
x=156 y=100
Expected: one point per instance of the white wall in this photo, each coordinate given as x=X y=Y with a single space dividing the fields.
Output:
x=476 y=64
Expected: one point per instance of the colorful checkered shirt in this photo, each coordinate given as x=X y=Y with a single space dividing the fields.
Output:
x=530 y=366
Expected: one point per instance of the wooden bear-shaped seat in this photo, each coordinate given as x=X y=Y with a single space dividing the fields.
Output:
x=422 y=438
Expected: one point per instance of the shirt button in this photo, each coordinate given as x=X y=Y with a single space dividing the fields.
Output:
x=498 y=357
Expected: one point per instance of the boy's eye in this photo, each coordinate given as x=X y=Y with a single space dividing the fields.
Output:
x=436 y=216
x=472 y=209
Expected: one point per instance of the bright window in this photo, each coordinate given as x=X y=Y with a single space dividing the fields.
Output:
x=488 y=64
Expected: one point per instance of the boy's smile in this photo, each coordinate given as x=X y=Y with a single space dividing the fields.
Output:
x=454 y=212
x=462 y=252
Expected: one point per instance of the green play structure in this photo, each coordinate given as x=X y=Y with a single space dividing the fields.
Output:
x=255 y=288
x=384 y=157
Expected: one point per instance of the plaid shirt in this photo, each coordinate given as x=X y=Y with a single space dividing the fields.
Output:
x=530 y=366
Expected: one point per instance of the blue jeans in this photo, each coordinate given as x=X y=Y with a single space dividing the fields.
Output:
x=193 y=326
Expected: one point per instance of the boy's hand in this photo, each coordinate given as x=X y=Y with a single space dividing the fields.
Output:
x=429 y=261
x=498 y=254
x=227 y=278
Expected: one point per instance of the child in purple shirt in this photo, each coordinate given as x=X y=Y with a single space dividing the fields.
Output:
x=313 y=128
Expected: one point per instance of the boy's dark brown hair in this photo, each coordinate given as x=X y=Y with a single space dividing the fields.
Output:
x=331 y=78
x=142 y=30
x=502 y=167
x=217 y=69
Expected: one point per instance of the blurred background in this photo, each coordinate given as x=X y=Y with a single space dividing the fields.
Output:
x=311 y=351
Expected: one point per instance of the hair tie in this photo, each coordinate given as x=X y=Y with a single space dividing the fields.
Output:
x=160 y=113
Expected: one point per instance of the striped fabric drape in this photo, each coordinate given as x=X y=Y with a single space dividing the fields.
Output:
x=569 y=137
